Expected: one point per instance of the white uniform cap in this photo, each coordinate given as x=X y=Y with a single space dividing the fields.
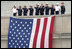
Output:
x=37 y=4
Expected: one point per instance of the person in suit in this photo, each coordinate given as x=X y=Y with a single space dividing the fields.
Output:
x=37 y=9
x=47 y=8
x=19 y=11
x=31 y=11
x=25 y=11
x=62 y=8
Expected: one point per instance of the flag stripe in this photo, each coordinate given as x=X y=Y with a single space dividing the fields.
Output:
x=33 y=32
x=46 y=43
x=43 y=33
x=40 y=33
x=36 y=33
x=50 y=32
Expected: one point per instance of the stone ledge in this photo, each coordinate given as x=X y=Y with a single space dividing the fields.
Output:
x=39 y=16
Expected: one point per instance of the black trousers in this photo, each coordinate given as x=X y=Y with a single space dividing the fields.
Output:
x=30 y=14
x=52 y=13
x=47 y=13
x=36 y=13
x=19 y=14
x=14 y=14
x=41 y=13
x=25 y=14
x=62 y=12
x=57 y=12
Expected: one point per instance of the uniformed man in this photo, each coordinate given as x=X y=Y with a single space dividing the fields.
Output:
x=14 y=9
x=62 y=8
x=19 y=11
x=25 y=11
x=42 y=9
x=31 y=11
x=37 y=9
x=52 y=10
x=47 y=9
x=57 y=9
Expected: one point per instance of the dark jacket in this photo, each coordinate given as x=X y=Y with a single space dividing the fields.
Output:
x=31 y=11
x=37 y=10
x=63 y=8
x=25 y=10
x=19 y=12
x=42 y=10
x=47 y=10
x=52 y=11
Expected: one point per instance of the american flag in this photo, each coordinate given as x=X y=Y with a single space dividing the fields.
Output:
x=30 y=33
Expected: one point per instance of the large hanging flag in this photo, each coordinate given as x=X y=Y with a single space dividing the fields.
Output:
x=30 y=33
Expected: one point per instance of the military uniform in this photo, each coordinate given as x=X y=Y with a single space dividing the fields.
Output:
x=19 y=12
x=62 y=9
x=52 y=11
x=31 y=11
x=42 y=10
x=37 y=10
x=47 y=10
x=25 y=10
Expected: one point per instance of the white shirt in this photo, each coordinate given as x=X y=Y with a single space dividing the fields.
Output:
x=57 y=8
x=14 y=10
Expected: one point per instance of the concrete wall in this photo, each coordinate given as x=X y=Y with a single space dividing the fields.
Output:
x=62 y=27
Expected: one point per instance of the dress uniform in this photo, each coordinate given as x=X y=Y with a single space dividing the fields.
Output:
x=62 y=8
x=47 y=9
x=19 y=11
x=37 y=10
x=25 y=10
x=31 y=11
x=52 y=10
x=42 y=10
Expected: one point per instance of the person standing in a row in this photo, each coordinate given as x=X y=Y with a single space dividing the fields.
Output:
x=14 y=9
x=62 y=8
x=57 y=9
x=42 y=9
x=37 y=10
x=31 y=10
x=25 y=11
x=52 y=10
x=19 y=11
x=47 y=9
